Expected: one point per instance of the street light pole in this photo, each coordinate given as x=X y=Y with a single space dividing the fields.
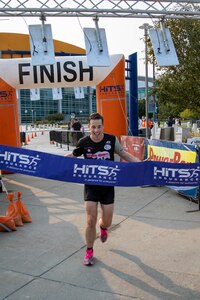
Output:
x=146 y=26
x=32 y=115
x=26 y=118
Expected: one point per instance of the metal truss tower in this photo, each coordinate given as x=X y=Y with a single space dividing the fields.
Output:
x=174 y=9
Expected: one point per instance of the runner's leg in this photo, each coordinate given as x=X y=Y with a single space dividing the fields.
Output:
x=106 y=215
x=90 y=231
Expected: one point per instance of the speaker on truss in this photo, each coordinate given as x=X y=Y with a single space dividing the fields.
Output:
x=57 y=93
x=96 y=47
x=34 y=94
x=41 y=44
x=79 y=92
x=163 y=46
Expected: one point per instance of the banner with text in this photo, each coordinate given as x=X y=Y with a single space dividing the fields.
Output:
x=98 y=172
x=168 y=151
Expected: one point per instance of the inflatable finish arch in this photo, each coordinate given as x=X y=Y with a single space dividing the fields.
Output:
x=66 y=72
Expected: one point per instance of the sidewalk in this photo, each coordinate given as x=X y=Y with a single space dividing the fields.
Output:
x=152 y=251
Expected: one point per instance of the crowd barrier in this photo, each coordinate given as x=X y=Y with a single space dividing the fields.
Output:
x=22 y=137
x=66 y=137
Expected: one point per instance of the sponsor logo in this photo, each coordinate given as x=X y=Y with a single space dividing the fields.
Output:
x=96 y=173
x=111 y=89
x=170 y=155
x=17 y=161
x=99 y=155
x=177 y=174
x=107 y=147
x=5 y=94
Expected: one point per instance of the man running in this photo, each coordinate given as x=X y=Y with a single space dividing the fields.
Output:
x=98 y=145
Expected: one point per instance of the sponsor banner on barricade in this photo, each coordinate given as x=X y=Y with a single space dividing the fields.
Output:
x=133 y=145
x=97 y=171
x=167 y=151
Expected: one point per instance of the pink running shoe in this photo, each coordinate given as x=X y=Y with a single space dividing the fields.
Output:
x=103 y=235
x=88 y=259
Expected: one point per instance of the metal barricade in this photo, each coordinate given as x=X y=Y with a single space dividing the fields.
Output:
x=66 y=137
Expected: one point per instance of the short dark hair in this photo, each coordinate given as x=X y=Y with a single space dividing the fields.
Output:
x=95 y=116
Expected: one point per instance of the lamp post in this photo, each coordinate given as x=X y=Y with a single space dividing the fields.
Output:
x=32 y=115
x=146 y=27
x=26 y=118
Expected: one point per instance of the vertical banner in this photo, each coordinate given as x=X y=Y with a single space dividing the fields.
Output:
x=34 y=94
x=134 y=145
x=9 y=123
x=111 y=100
x=79 y=92
x=57 y=93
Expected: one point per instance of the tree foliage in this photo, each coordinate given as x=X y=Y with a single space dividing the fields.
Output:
x=141 y=108
x=55 y=117
x=178 y=87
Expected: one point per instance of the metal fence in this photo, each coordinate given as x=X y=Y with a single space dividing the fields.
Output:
x=67 y=137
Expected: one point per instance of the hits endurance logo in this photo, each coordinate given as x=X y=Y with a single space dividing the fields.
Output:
x=177 y=174
x=96 y=173
x=19 y=161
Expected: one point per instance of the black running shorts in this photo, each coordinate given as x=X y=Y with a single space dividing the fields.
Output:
x=103 y=194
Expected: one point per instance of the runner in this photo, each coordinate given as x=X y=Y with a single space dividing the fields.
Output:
x=98 y=145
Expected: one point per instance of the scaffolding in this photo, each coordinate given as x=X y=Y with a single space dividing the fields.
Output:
x=101 y=8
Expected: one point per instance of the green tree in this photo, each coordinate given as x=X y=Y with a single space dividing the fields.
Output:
x=188 y=114
x=55 y=117
x=178 y=87
x=141 y=108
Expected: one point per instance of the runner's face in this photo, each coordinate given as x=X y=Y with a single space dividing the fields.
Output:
x=96 y=130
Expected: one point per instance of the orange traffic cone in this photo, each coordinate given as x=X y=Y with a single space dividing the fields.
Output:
x=29 y=138
x=26 y=142
x=32 y=135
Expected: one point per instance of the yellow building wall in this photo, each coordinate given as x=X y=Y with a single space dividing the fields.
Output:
x=20 y=42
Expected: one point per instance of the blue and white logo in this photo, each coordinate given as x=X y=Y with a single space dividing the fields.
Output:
x=175 y=175
x=17 y=161
x=96 y=173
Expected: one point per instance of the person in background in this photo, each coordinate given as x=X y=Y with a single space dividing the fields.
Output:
x=169 y=121
x=98 y=145
x=139 y=122
x=76 y=126
x=150 y=123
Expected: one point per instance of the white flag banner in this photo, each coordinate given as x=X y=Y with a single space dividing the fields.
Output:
x=79 y=92
x=35 y=94
x=57 y=93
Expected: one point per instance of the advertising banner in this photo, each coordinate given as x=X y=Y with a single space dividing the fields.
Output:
x=166 y=151
x=111 y=100
x=98 y=171
x=9 y=123
x=70 y=71
x=133 y=145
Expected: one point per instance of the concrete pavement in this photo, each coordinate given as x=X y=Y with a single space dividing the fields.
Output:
x=152 y=251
